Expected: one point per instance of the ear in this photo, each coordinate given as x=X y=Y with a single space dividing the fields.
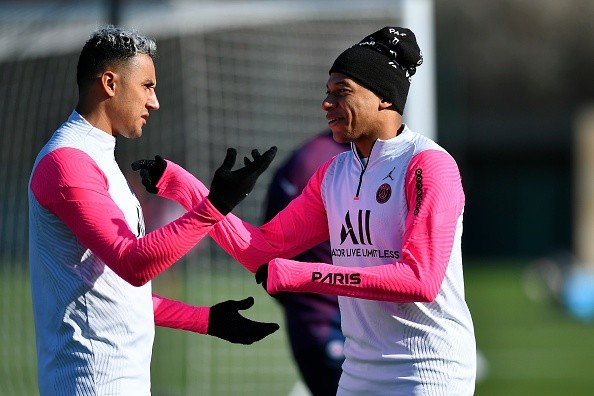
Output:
x=384 y=104
x=108 y=82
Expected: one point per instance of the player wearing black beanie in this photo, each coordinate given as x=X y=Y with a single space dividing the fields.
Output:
x=384 y=62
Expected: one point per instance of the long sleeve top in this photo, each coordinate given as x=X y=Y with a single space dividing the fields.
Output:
x=91 y=265
x=394 y=221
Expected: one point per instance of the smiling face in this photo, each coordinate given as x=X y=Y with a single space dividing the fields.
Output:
x=132 y=95
x=354 y=113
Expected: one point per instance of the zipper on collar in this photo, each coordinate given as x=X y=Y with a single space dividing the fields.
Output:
x=363 y=168
x=364 y=165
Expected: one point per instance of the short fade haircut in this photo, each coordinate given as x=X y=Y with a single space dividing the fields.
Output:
x=109 y=46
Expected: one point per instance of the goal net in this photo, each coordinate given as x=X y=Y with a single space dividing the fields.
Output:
x=243 y=74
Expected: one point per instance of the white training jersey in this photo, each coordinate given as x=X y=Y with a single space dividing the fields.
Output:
x=397 y=348
x=94 y=330
x=394 y=222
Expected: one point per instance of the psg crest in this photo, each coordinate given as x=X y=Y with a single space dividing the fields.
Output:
x=383 y=193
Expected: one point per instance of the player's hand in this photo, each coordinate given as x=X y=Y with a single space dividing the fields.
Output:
x=262 y=276
x=150 y=172
x=262 y=279
x=229 y=188
x=225 y=322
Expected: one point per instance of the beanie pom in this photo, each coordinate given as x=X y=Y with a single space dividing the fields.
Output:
x=398 y=44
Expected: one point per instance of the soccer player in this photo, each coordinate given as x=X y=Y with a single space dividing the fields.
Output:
x=392 y=208
x=90 y=262
x=312 y=320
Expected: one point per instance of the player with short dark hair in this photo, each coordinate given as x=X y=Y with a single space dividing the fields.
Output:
x=91 y=263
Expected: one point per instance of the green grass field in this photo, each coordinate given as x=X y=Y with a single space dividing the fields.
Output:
x=530 y=349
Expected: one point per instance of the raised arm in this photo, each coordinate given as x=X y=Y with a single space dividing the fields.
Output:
x=299 y=227
x=69 y=184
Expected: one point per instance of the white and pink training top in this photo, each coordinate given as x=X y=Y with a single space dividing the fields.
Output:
x=395 y=226
x=91 y=267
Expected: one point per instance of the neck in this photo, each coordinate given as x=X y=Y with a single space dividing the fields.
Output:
x=95 y=116
x=364 y=147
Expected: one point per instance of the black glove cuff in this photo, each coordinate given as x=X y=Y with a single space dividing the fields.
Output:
x=219 y=204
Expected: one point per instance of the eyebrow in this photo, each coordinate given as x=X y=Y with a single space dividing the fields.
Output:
x=340 y=82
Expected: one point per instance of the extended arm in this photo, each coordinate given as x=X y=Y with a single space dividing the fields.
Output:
x=300 y=226
x=428 y=239
x=222 y=320
x=69 y=184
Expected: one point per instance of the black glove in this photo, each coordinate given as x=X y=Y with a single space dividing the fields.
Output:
x=229 y=188
x=262 y=276
x=226 y=323
x=150 y=172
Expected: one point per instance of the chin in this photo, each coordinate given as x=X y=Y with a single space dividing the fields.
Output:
x=131 y=135
x=339 y=137
x=135 y=134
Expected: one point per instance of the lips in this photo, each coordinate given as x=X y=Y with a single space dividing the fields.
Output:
x=332 y=119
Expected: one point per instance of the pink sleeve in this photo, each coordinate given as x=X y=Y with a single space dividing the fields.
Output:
x=297 y=228
x=69 y=184
x=427 y=244
x=179 y=185
x=178 y=315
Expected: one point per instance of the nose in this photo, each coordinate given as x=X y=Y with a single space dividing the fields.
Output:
x=153 y=102
x=327 y=104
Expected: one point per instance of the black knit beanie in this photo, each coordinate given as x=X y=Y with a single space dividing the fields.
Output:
x=383 y=62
